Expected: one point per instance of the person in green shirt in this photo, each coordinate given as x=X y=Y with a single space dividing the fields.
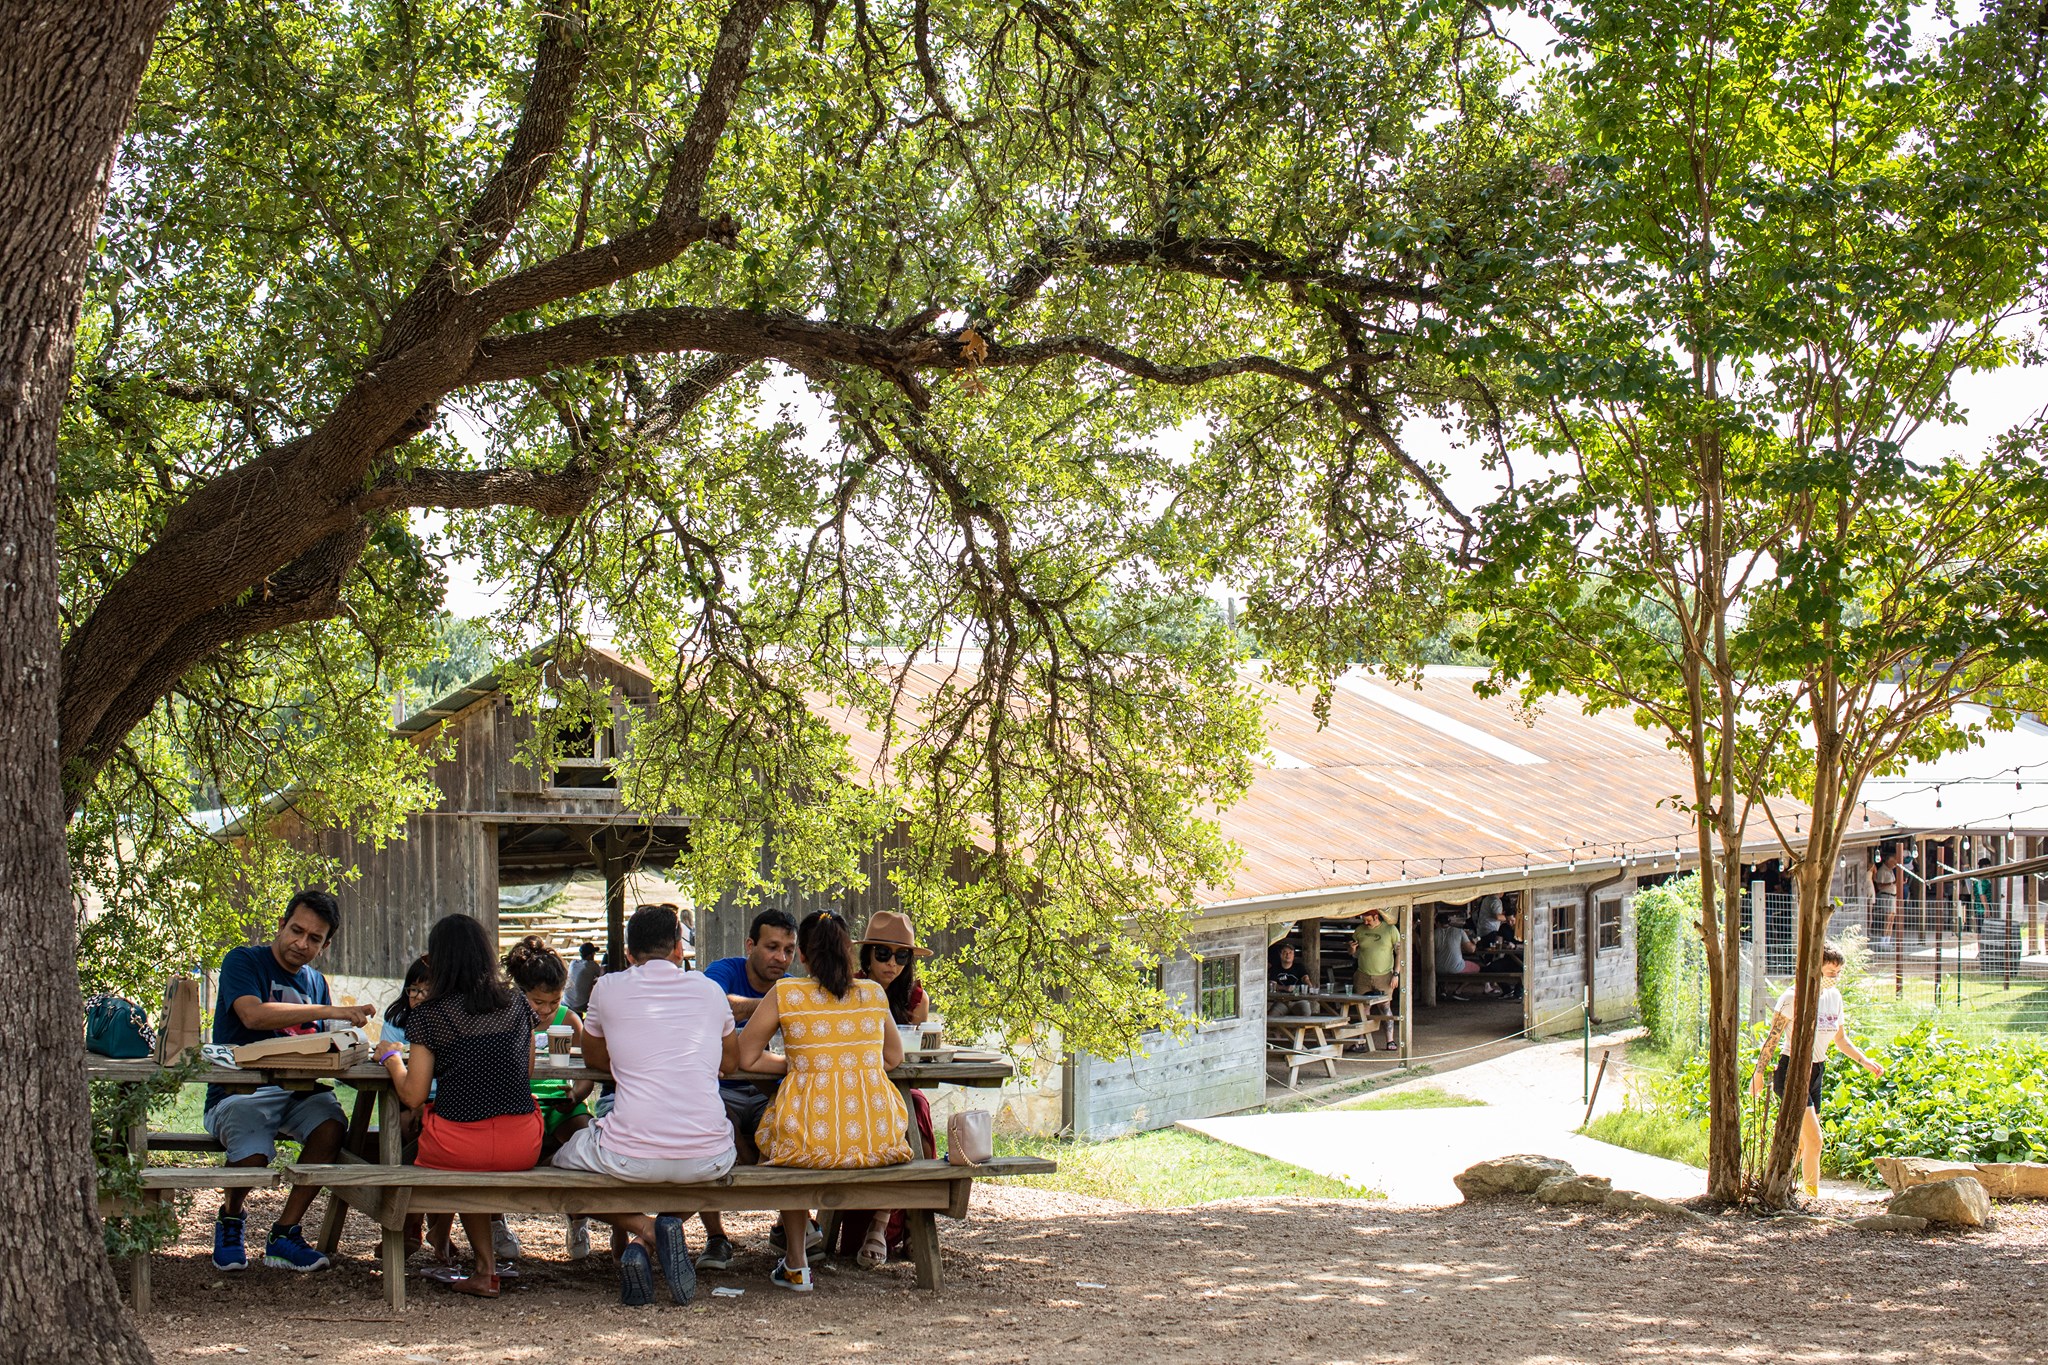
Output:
x=1376 y=961
x=1980 y=895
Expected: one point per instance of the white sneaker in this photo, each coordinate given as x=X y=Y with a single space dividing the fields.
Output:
x=579 y=1238
x=504 y=1242
x=798 y=1281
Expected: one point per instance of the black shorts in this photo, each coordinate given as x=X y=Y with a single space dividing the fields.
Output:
x=744 y=1107
x=1812 y=1087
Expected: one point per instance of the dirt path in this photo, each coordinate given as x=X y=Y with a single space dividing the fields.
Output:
x=1234 y=1284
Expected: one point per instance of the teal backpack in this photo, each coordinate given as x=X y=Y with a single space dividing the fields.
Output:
x=117 y=1028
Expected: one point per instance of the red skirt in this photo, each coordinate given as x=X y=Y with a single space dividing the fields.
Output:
x=508 y=1143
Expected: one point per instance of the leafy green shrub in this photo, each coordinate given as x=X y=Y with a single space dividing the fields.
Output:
x=1670 y=961
x=115 y=1108
x=1941 y=1096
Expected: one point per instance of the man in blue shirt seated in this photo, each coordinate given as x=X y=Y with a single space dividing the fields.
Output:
x=771 y=946
x=268 y=990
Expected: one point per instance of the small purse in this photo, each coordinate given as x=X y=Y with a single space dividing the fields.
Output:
x=970 y=1138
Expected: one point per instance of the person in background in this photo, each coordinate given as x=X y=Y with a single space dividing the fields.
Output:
x=1285 y=973
x=1830 y=1029
x=583 y=975
x=746 y=980
x=1499 y=949
x=1285 y=980
x=472 y=1044
x=665 y=1034
x=1887 y=892
x=689 y=925
x=1376 y=964
x=540 y=974
x=1980 y=895
x=268 y=990
x=1452 y=946
x=889 y=951
x=839 y=1043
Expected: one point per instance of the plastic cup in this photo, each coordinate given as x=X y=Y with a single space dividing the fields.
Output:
x=910 y=1035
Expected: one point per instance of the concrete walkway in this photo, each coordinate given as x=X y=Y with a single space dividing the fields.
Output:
x=1532 y=1104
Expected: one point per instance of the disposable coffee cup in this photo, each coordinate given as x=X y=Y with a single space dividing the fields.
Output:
x=932 y=1035
x=559 y=1038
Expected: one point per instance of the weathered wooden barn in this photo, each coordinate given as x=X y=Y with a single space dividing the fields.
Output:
x=498 y=822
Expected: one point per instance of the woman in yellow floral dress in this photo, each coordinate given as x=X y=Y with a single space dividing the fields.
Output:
x=836 y=1109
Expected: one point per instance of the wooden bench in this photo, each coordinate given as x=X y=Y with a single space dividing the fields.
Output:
x=923 y=1189
x=1297 y=1059
x=1445 y=983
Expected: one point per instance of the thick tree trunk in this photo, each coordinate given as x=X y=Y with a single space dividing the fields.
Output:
x=69 y=74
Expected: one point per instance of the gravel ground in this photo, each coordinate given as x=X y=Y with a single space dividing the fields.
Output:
x=1041 y=1276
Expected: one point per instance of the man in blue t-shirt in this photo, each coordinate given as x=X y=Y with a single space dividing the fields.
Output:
x=771 y=946
x=268 y=990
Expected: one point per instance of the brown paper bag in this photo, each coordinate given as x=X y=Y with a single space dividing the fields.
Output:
x=178 y=1034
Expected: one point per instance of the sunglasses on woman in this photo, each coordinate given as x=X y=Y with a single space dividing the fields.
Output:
x=900 y=956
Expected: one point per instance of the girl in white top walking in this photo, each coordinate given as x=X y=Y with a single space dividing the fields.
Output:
x=1829 y=1030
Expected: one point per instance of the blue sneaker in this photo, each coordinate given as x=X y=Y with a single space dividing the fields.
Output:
x=675 y=1258
x=636 y=1277
x=228 y=1251
x=288 y=1250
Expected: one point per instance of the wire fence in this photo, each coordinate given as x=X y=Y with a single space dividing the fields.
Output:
x=1975 y=964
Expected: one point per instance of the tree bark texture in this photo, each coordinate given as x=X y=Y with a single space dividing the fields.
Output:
x=69 y=75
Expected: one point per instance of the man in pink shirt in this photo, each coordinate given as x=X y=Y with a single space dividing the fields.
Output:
x=664 y=1034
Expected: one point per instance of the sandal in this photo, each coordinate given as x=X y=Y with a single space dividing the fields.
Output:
x=477 y=1286
x=874 y=1248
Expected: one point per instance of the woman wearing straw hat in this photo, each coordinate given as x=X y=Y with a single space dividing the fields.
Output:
x=888 y=956
x=889 y=951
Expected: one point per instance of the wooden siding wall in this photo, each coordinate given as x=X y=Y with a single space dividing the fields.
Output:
x=722 y=931
x=1557 y=981
x=1213 y=1069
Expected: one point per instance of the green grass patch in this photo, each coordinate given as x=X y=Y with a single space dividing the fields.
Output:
x=1655 y=1132
x=1425 y=1097
x=1170 y=1168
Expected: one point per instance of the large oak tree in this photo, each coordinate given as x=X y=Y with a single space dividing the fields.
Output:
x=793 y=343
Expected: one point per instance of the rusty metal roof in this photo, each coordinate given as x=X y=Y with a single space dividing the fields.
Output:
x=1414 y=784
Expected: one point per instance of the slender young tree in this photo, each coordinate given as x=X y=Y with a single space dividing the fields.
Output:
x=1803 y=222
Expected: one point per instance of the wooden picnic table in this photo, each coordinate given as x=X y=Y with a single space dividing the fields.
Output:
x=374 y=1094
x=1299 y=1026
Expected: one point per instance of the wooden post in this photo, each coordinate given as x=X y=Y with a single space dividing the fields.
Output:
x=1312 y=952
x=924 y=1245
x=138 y=1263
x=613 y=859
x=391 y=1152
x=2032 y=883
x=1425 y=974
x=1407 y=984
x=1760 y=1002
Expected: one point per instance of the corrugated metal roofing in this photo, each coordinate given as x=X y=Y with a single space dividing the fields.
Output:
x=1408 y=783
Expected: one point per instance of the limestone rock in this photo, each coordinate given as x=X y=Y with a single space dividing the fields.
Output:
x=1904 y=1172
x=2000 y=1179
x=1890 y=1222
x=1575 y=1189
x=1631 y=1201
x=1960 y=1202
x=1508 y=1175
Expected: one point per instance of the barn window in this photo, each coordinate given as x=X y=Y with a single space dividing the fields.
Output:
x=1219 y=987
x=1564 y=929
x=1610 y=924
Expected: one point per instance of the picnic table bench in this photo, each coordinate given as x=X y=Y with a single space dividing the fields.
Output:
x=1446 y=982
x=1288 y=1043
x=372 y=1179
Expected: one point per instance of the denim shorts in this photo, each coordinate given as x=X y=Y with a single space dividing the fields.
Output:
x=250 y=1125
